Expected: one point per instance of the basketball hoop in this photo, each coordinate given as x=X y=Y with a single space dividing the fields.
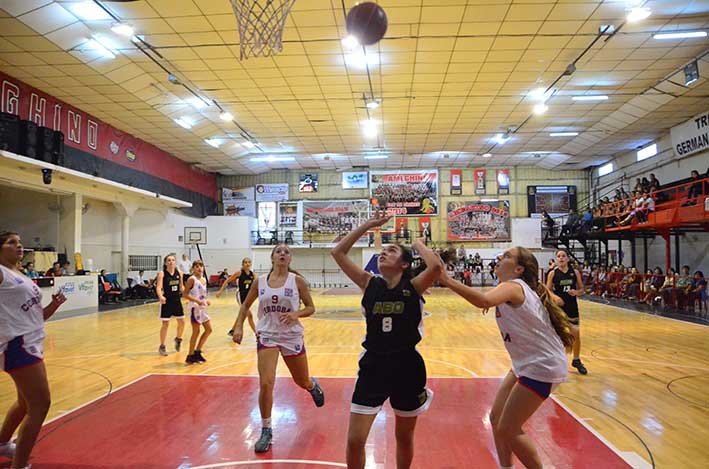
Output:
x=260 y=24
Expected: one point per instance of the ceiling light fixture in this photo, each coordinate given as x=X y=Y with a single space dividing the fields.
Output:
x=372 y=104
x=369 y=128
x=638 y=14
x=197 y=102
x=248 y=144
x=94 y=45
x=88 y=11
x=540 y=109
x=214 y=142
x=184 y=122
x=487 y=155
x=563 y=134
x=376 y=157
x=271 y=159
x=350 y=42
x=226 y=116
x=123 y=29
x=682 y=35
x=501 y=139
x=590 y=97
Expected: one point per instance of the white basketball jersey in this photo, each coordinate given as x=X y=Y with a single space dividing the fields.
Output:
x=198 y=291
x=529 y=337
x=274 y=301
x=21 y=309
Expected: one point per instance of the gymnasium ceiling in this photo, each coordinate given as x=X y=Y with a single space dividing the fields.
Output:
x=449 y=76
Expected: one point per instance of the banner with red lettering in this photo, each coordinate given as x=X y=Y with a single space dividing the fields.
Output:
x=89 y=134
x=503 y=181
x=326 y=222
x=479 y=221
x=456 y=181
x=479 y=178
x=405 y=192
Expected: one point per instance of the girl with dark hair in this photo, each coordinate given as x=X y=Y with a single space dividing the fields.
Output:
x=21 y=354
x=196 y=293
x=169 y=289
x=245 y=278
x=536 y=332
x=390 y=367
x=279 y=332
x=566 y=283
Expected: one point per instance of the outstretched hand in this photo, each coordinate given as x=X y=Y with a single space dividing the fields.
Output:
x=378 y=219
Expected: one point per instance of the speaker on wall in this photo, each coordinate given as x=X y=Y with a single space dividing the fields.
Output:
x=9 y=132
x=45 y=145
x=29 y=139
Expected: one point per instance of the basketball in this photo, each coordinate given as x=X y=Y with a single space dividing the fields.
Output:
x=367 y=22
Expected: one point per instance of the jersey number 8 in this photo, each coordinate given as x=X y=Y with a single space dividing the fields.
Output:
x=386 y=324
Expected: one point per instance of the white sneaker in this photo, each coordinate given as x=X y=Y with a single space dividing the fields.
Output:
x=7 y=449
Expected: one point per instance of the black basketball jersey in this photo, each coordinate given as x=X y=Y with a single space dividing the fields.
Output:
x=393 y=316
x=171 y=285
x=563 y=282
x=245 y=280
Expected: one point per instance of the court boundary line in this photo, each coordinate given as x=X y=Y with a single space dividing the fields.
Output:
x=603 y=440
x=647 y=314
x=270 y=461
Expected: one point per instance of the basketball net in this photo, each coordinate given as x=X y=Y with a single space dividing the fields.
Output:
x=260 y=24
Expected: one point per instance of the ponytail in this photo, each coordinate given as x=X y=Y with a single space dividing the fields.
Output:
x=558 y=317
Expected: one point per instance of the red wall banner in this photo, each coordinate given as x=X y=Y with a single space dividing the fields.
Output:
x=87 y=133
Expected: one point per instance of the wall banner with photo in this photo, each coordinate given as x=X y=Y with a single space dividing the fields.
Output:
x=239 y=202
x=487 y=220
x=354 y=180
x=456 y=181
x=308 y=183
x=329 y=221
x=405 y=192
x=288 y=214
x=271 y=192
x=503 y=181
x=479 y=176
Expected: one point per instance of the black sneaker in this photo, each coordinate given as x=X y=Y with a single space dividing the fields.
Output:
x=178 y=344
x=317 y=393
x=230 y=333
x=264 y=443
x=191 y=359
x=162 y=351
x=198 y=356
x=576 y=363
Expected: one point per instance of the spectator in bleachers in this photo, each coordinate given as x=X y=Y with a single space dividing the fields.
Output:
x=699 y=288
x=654 y=183
x=630 y=286
x=600 y=281
x=635 y=208
x=638 y=185
x=142 y=287
x=667 y=286
x=652 y=292
x=571 y=224
x=55 y=271
x=618 y=196
x=695 y=190
x=65 y=268
x=684 y=286
x=645 y=184
x=29 y=270
x=624 y=194
x=586 y=272
x=547 y=224
x=586 y=220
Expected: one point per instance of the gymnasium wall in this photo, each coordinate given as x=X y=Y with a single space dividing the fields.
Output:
x=34 y=215
x=330 y=187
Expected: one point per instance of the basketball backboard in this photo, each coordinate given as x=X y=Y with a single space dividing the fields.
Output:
x=195 y=235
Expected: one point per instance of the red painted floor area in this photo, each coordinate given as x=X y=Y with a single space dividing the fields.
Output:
x=181 y=421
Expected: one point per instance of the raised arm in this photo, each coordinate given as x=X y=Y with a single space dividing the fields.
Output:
x=433 y=267
x=231 y=278
x=243 y=309
x=505 y=292
x=357 y=274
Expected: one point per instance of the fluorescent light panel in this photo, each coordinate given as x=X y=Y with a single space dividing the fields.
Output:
x=682 y=35
x=591 y=97
x=271 y=159
x=376 y=157
x=123 y=29
x=563 y=134
x=88 y=11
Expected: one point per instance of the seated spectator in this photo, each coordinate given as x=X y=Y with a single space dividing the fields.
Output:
x=586 y=220
x=654 y=183
x=652 y=288
x=107 y=291
x=142 y=287
x=638 y=185
x=699 y=288
x=65 y=268
x=223 y=275
x=597 y=220
x=630 y=287
x=618 y=196
x=586 y=272
x=637 y=205
x=600 y=281
x=624 y=194
x=684 y=287
x=695 y=190
x=645 y=184
x=29 y=270
x=571 y=223
x=477 y=260
x=55 y=271
x=467 y=277
x=667 y=287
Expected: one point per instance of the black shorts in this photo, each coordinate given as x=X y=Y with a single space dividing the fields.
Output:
x=399 y=377
x=171 y=309
x=242 y=296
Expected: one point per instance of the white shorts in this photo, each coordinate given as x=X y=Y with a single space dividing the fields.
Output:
x=199 y=316
x=22 y=351
x=289 y=347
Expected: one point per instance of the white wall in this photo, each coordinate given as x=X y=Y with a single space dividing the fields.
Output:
x=29 y=214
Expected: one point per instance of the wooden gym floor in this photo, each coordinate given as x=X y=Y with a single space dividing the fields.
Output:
x=645 y=394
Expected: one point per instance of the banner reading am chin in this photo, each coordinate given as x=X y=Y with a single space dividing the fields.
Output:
x=487 y=220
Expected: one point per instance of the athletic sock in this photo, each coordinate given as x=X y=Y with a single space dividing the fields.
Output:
x=266 y=423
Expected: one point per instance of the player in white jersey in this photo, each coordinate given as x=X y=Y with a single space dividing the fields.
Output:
x=279 y=331
x=196 y=295
x=535 y=332
x=21 y=334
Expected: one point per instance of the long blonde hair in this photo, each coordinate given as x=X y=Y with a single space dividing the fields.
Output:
x=558 y=317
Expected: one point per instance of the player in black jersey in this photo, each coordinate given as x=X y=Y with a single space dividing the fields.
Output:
x=566 y=283
x=390 y=368
x=169 y=289
x=245 y=278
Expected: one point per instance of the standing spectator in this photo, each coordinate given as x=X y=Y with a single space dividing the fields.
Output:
x=699 y=288
x=695 y=190
x=586 y=220
x=461 y=252
x=571 y=223
x=55 y=271
x=654 y=183
x=547 y=225
x=185 y=268
x=638 y=185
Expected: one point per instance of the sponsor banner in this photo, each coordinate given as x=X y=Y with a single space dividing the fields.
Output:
x=503 y=181
x=288 y=214
x=308 y=183
x=456 y=182
x=329 y=221
x=239 y=202
x=354 y=180
x=405 y=192
x=479 y=178
x=692 y=136
x=487 y=220
x=271 y=192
